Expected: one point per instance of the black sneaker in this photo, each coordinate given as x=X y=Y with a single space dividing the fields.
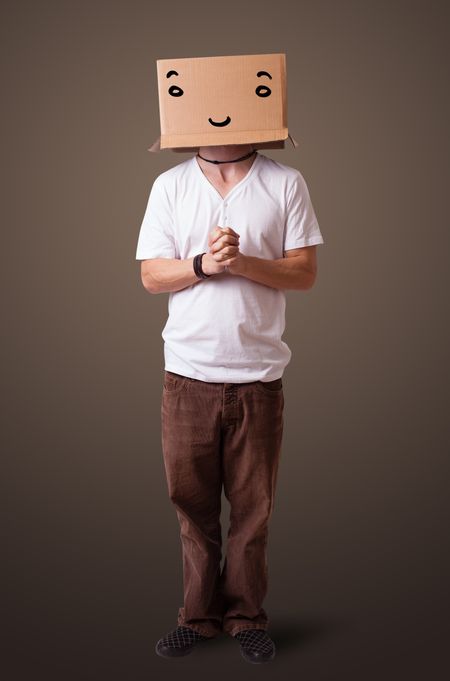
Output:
x=256 y=645
x=180 y=641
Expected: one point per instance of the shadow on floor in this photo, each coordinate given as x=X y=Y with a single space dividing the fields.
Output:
x=305 y=631
x=288 y=632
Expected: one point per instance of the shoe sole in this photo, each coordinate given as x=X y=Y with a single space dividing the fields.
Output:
x=177 y=652
x=253 y=661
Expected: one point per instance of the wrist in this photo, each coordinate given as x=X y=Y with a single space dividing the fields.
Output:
x=206 y=264
x=240 y=265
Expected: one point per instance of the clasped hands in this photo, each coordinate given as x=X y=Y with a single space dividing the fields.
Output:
x=223 y=243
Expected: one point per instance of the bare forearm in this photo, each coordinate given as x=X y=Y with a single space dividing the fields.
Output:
x=169 y=274
x=161 y=275
x=281 y=273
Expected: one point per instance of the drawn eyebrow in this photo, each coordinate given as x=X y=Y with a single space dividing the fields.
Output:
x=171 y=73
x=264 y=73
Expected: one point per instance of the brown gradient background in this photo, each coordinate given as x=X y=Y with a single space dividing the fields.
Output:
x=358 y=549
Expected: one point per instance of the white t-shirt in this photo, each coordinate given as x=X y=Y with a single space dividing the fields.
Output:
x=227 y=328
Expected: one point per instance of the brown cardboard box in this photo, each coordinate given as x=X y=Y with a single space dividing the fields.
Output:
x=206 y=101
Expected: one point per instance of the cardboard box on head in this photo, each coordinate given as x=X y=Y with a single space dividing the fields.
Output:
x=206 y=101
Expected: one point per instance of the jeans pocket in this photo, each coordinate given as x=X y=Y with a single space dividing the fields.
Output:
x=173 y=383
x=271 y=387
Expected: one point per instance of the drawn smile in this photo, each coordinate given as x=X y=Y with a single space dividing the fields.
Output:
x=220 y=124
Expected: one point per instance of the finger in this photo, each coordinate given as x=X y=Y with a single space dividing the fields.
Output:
x=220 y=256
x=226 y=248
x=227 y=251
x=217 y=245
x=224 y=241
x=223 y=231
x=229 y=230
x=230 y=239
x=230 y=251
x=215 y=234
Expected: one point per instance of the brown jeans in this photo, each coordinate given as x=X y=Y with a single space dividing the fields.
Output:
x=214 y=435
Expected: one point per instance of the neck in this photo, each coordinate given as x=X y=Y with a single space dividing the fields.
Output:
x=226 y=153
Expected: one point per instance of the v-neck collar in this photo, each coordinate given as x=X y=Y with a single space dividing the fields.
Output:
x=236 y=186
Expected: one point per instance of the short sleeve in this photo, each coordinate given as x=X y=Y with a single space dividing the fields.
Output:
x=156 y=237
x=301 y=228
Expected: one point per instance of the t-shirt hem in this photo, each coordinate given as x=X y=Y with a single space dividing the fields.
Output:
x=298 y=243
x=201 y=377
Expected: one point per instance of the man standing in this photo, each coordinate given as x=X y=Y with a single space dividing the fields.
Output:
x=225 y=233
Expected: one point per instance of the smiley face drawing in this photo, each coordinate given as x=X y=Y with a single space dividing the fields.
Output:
x=238 y=99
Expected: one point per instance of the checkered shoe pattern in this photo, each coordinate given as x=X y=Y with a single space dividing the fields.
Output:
x=180 y=641
x=256 y=645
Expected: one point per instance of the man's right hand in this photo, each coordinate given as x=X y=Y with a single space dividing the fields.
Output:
x=223 y=245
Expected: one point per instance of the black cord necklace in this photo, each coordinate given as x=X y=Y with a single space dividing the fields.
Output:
x=242 y=158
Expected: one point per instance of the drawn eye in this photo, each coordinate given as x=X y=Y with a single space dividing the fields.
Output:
x=175 y=91
x=263 y=91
